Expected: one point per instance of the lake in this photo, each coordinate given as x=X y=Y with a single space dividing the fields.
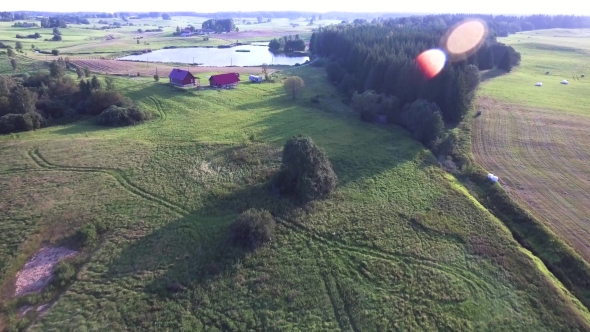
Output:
x=220 y=57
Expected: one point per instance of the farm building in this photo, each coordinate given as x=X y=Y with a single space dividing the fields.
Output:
x=181 y=77
x=224 y=80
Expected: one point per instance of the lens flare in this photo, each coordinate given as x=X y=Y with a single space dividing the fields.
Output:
x=464 y=39
x=431 y=62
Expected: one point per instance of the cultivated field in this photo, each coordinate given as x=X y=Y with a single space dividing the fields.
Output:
x=536 y=139
x=400 y=245
x=542 y=157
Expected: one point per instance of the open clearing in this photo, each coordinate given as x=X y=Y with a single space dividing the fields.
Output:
x=536 y=139
x=400 y=245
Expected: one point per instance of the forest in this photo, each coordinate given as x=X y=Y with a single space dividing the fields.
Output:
x=374 y=66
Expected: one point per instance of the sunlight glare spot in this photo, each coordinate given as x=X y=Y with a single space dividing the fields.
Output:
x=431 y=62
x=465 y=38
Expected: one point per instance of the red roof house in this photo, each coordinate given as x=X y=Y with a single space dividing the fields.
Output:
x=181 y=77
x=223 y=80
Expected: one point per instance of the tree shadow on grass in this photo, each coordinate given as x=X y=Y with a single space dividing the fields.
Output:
x=80 y=128
x=492 y=73
x=196 y=248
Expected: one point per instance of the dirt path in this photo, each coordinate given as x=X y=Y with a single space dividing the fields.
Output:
x=543 y=159
x=37 y=272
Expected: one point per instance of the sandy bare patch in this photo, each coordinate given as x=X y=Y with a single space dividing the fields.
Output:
x=37 y=272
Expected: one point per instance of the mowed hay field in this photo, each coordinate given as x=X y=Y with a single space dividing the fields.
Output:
x=536 y=139
x=399 y=246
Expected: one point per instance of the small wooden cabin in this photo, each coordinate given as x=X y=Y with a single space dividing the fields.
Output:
x=224 y=80
x=181 y=77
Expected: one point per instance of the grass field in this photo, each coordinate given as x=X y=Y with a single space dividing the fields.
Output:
x=400 y=245
x=536 y=139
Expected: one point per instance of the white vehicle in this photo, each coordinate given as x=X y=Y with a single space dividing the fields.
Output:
x=256 y=79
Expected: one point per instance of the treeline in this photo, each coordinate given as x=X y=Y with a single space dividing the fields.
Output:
x=25 y=25
x=373 y=66
x=287 y=44
x=502 y=25
x=36 y=35
x=220 y=25
x=25 y=15
x=31 y=101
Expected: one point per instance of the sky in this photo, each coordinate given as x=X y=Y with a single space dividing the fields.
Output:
x=576 y=7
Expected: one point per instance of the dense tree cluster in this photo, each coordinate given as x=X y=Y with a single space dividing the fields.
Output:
x=54 y=22
x=379 y=59
x=287 y=44
x=32 y=100
x=220 y=25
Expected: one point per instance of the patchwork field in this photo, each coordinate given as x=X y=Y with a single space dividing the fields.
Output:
x=400 y=245
x=536 y=138
x=84 y=39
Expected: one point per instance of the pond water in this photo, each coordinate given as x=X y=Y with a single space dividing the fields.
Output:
x=220 y=57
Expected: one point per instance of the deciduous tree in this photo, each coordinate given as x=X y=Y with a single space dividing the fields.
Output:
x=294 y=86
x=22 y=100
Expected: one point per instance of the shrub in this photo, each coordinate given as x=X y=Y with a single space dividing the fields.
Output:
x=156 y=78
x=64 y=273
x=306 y=171
x=11 y=123
x=88 y=235
x=116 y=116
x=101 y=100
x=253 y=228
x=55 y=52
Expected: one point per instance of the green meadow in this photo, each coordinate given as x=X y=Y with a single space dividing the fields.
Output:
x=562 y=53
x=400 y=245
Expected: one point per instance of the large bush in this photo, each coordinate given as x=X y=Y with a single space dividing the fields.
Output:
x=11 y=123
x=116 y=116
x=253 y=228
x=306 y=172
x=100 y=100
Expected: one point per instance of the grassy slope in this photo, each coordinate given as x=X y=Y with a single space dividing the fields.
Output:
x=564 y=53
x=399 y=245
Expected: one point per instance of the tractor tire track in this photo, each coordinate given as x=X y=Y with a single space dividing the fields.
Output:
x=477 y=286
x=334 y=301
x=159 y=108
x=122 y=180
